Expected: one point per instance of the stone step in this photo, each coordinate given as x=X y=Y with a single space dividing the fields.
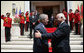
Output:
x=75 y=35
x=76 y=47
x=76 y=42
x=72 y=33
x=76 y=50
x=71 y=36
x=21 y=39
x=76 y=39
x=31 y=43
x=6 y=50
x=18 y=43
x=17 y=47
x=30 y=47
x=28 y=39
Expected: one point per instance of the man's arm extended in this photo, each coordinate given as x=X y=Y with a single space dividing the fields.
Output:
x=57 y=34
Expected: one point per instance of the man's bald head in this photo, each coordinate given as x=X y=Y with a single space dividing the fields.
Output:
x=61 y=16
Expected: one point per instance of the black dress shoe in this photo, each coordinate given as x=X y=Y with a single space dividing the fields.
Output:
x=75 y=34
x=7 y=40
x=30 y=37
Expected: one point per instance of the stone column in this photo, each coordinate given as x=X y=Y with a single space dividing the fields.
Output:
x=2 y=34
x=69 y=6
x=15 y=30
x=27 y=6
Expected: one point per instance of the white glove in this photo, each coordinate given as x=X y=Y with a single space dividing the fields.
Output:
x=49 y=44
x=25 y=22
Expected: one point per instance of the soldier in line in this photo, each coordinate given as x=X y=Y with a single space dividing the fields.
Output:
x=77 y=22
x=7 y=24
x=22 y=22
x=65 y=14
x=71 y=16
x=27 y=21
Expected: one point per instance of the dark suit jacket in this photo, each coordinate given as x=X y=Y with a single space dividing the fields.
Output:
x=33 y=19
x=37 y=19
x=40 y=45
x=60 y=38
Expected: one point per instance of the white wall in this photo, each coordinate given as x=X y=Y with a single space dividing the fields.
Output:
x=74 y=5
x=27 y=6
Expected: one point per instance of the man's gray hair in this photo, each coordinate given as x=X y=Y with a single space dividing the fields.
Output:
x=42 y=16
x=61 y=15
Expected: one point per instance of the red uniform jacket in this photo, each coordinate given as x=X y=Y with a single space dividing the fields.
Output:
x=30 y=14
x=7 y=21
x=71 y=16
x=76 y=18
x=22 y=19
x=65 y=14
x=27 y=17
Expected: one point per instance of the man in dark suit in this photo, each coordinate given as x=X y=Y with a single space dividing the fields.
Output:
x=37 y=15
x=33 y=19
x=60 y=38
x=39 y=44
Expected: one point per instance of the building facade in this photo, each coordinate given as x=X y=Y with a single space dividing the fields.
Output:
x=53 y=7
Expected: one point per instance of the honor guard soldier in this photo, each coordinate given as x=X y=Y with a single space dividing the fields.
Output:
x=27 y=21
x=7 y=24
x=71 y=16
x=22 y=22
x=77 y=21
x=65 y=14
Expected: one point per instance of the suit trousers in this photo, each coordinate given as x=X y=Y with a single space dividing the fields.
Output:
x=31 y=27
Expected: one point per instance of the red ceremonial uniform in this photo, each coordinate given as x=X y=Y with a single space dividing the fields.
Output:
x=76 y=21
x=65 y=14
x=22 y=22
x=77 y=18
x=27 y=21
x=71 y=16
x=26 y=13
x=30 y=14
x=7 y=21
x=22 y=19
x=27 y=17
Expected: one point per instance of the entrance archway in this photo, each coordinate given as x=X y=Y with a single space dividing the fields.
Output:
x=48 y=7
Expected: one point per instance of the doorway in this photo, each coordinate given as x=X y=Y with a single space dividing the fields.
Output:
x=49 y=11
